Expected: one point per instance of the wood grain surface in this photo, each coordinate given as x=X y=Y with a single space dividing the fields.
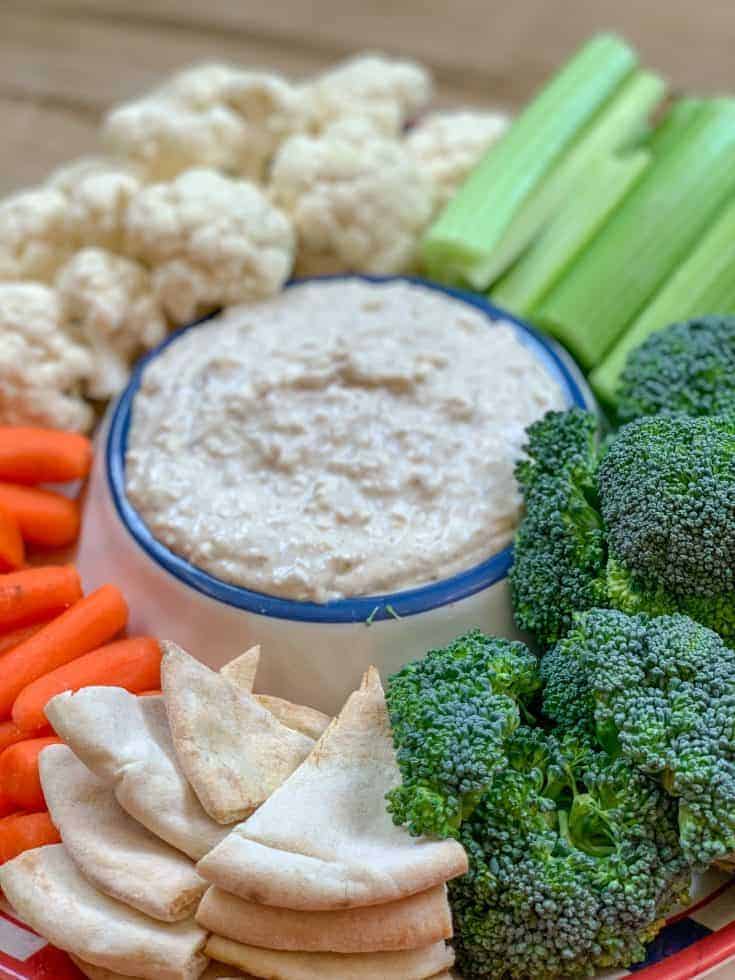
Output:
x=62 y=62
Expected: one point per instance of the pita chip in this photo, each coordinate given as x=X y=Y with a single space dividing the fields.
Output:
x=233 y=751
x=215 y=971
x=114 y=852
x=299 y=717
x=412 y=964
x=48 y=891
x=324 y=839
x=242 y=670
x=410 y=923
x=126 y=743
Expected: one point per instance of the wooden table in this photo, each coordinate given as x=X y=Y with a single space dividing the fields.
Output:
x=62 y=62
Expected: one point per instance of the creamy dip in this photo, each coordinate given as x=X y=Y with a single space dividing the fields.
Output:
x=344 y=438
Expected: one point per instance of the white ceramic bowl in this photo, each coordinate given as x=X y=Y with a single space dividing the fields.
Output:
x=312 y=653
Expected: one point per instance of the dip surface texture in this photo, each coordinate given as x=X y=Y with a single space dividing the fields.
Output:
x=344 y=438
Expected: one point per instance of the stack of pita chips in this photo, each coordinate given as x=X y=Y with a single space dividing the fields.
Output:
x=301 y=874
x=319 y=883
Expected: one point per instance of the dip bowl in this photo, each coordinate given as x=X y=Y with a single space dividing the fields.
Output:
x=311 y=653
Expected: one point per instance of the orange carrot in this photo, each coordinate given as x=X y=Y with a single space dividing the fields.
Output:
x=30 y=455
x=150 y=694
x=16 y=637
x=12 y=549
x=20 y=780
x=37 y=594
x=25 y=831
x=7 y=806
x=134 y=664
x=85 y=626
x=45 y=518
x=10 y=734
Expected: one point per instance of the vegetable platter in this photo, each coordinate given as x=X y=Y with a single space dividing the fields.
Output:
x=498 y=808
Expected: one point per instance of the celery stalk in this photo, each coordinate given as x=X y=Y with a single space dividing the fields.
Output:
x=703 y=283
x=619 y=126
x=463 y=238
x=607 y=182
x=658 y=223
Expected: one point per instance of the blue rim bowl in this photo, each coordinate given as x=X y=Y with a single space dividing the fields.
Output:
x=395 y=605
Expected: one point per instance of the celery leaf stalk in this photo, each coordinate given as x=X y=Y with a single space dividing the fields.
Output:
x=607 y=182
x=659 y=222
x=704 y=283
x=460 y=244
x=618 y=127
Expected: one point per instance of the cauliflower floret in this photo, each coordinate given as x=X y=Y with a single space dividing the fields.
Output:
x=107 y=302
x=448 y=145
x=211 y=241
x=42 y=369
x=208 y=116
x=163 y=136
x=66 y=177
x=33 y=234
x=358 y=204
x=388 y=92
x=96 y=207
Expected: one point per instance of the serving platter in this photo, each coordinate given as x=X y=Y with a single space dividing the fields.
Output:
x=697 y=942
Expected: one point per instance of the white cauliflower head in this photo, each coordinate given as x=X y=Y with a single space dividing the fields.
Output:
x=208 y=116
x=210 y=240
x=388 y=92
x=42 y=370
x=448 y=145
x=66 y=177
x=358 y=204
x=34 y=238
x=107 y=302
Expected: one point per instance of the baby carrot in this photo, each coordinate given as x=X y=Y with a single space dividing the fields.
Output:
x=19 y=777
x=36 y=594
x=31 y=455
x=25 y=831
x=134 y=664
x=45 y=518
x=10 y=734
x=12 y=549
x=7 y=806
x=85 y=626
x=15 y=637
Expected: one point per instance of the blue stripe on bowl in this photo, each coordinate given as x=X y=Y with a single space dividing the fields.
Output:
x=379 y=607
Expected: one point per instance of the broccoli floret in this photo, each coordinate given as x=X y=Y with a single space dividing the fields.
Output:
x=687 y=367
x=559 y=550
x=667 y=492
x=563 y=884
x=659 y=692
x=451 y=715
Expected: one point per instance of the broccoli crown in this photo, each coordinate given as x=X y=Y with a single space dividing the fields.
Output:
x=451 y=714
x=574 y=858
x=559 y=550
x=667 y=492
x=687 y=367
x=659 y=692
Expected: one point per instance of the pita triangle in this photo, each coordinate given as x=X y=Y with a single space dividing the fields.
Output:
x=49 y=893
x=412 y=964
x=411 y=923
x=114 y=852
x=126 y=743
x=233 y=751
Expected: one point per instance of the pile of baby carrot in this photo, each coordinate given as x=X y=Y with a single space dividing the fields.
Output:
x=53 y=638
